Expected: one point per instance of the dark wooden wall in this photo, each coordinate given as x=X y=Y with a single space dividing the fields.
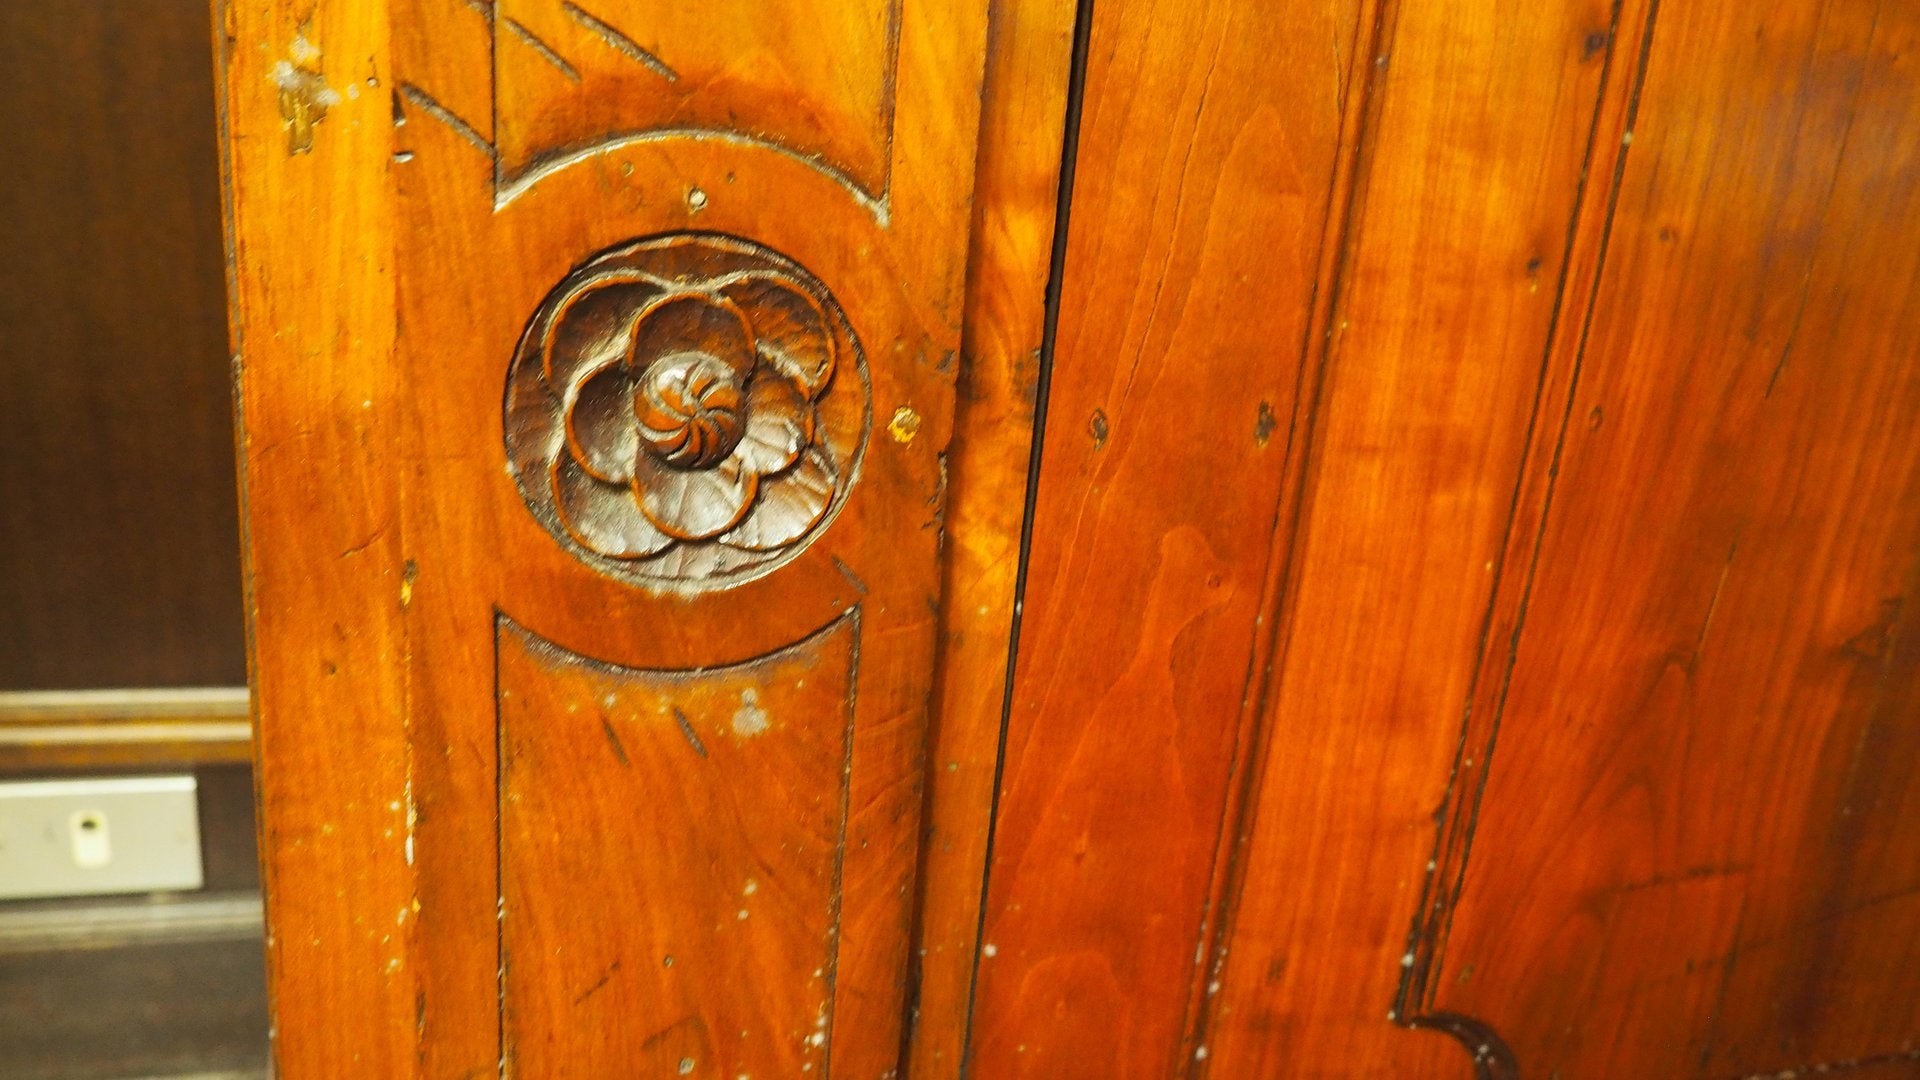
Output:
x=119 y=549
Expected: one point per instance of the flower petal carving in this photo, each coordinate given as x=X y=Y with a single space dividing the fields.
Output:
x=592 y=326
x=779 y=424
x=602 y=516
x=688 y=410
x=600 y=431
x=792 y=330
x=693 y=504
x=694 y=323
x=791 y=504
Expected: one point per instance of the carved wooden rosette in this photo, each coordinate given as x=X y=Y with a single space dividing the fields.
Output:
x=642 y=793
x=687 y=411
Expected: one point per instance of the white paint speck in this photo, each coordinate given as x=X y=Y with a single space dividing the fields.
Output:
x=302 y=51
x=750 y=719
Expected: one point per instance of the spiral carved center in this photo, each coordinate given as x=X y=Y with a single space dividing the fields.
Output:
x=691 y=410
x=687 y=410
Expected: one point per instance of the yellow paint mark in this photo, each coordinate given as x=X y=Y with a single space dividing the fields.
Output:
x=305 y=96
x=905 y=425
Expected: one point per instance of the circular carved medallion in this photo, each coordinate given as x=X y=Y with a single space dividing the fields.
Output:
x=688 y=410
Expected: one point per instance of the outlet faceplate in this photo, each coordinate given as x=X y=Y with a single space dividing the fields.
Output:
x=84 y=837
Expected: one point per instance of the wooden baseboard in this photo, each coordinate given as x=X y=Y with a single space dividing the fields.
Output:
x=92 y=729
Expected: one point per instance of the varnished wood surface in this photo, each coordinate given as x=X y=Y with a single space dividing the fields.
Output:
x=91 y=729
x=1198 y=212
x=1464 y=619
x=1024 y=111
x=1446 y=303
x=710 y=823
x=118 y=532
x=1703 y=791
x=1605 y=486
x=417 y=782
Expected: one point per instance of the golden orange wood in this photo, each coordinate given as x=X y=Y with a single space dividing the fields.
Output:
x=1024 y=111
x=1446 y=304
x=1207 y=154
x=1696 y=852
x=662 y=377
x=704 y=836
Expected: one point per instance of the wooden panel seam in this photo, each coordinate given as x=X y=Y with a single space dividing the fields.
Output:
x=1608 y=143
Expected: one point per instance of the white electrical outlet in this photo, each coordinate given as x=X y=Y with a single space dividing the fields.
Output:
x=85 y=837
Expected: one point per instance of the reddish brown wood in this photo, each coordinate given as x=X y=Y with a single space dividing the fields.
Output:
x=1198 y=216
x=475 y=210
x=1695 y=854
x=1023 y=114
x=1447 y=304
x=708 y=826
x=1468 y=568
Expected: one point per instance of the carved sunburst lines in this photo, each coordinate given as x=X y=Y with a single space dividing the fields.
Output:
x=618 y=41
x=541 y=49
x=539 y=55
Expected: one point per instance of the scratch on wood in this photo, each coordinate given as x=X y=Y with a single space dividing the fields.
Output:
x=605 y=976
x=620 y=42
x=686 y=728
x=1713 y=604
x=546 y=52
x=365 y=544
x=613 y=740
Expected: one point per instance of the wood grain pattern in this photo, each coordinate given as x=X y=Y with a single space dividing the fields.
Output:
x=1024 y=115
x=816 y=81
x=1468 y=562
x=96 y=729
x=408 y=438
x=1447 y=306
x=310 y=249
x=1714 y=668
x=1190 y=269
x=118 y=531
x=707 y=811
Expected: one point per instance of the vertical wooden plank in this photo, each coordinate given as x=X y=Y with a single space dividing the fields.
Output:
x=1469 y=208
x=1208 y=140
x=1016 y=195
x=1701 y=804
x=311 y=260
x=673 y=373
